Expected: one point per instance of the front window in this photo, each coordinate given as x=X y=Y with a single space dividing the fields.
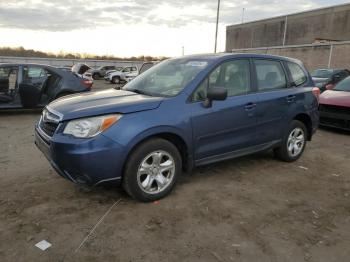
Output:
x=234 y=76
x=168 y=78
x=343 y=85
x=322 y=73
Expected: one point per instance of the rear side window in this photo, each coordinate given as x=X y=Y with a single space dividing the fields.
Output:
x=270 y=75
x=297 y=74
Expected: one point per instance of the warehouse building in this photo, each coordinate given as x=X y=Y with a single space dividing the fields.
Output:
x=320 y=38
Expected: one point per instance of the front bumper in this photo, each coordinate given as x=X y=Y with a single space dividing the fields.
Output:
x=337 y=120
x=92 y=161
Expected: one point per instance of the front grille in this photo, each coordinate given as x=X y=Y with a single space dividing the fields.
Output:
x=49 y=122
x=334 y=109
x=49 y=128
x=335 y=116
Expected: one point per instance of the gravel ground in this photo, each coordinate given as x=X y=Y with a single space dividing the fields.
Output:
x=253 y=208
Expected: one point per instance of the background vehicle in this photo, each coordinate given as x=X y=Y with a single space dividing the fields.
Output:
x=102 y=70
x=181 y=113
x=65 y=68
x=116 y=77
x=326 y=79
x=106 y=77
x=130 y=76
x=335 y=106
x=33 y=85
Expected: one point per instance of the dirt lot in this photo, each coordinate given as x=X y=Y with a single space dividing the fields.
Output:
x=249 y=209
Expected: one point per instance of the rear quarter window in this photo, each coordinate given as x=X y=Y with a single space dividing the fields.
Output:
x=297 y=73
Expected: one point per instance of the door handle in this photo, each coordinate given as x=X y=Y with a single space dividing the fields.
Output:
x=249 y=106
x=290 y=98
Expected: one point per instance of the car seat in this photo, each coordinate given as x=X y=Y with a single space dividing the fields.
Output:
x=270 y=80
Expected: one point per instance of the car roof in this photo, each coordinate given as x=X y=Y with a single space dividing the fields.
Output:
x=53 y=69
x=27 y=64
x=224 y=56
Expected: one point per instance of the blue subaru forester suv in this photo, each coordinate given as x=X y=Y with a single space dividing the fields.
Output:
x=182 y=113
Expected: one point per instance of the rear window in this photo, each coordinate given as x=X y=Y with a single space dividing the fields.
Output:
x=297 y=74
x=322 y=73
x=270 y=75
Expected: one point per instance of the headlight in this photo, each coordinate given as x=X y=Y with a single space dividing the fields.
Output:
x=89 y=127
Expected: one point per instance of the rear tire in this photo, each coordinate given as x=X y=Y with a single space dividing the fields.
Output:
x=293 y=142
x=152 y=170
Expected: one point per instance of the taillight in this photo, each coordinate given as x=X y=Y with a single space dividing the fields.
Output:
x=316 y=92
x=87 y=83
x=329 y=86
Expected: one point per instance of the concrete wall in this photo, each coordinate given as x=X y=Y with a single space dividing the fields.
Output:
x=302 y=28
x=313 y=56
x=66 y=62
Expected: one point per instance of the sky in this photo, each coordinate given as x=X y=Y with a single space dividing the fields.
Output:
x=132 y=27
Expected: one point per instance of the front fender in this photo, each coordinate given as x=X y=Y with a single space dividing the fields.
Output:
x=154 y=131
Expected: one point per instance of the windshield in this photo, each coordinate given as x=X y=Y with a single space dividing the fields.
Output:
x=168 y=78
x=343 y=85
x=322 y=73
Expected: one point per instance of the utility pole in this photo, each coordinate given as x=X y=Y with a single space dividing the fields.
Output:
x=243 y=15
x=217 y=26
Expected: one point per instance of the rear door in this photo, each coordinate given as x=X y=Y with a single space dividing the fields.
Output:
x=32 y=85
x=274 y=97
x=230 y=125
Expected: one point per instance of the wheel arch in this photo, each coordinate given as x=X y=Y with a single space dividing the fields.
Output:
x=173 y=137
x=306 y=120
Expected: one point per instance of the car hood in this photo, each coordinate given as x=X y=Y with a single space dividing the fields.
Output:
x=336 y=98
x=102 y=102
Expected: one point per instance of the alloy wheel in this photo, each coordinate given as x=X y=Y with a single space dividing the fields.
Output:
x=156 y=172
x=296 y=142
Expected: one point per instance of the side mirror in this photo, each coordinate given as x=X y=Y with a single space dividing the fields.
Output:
x=215 y=93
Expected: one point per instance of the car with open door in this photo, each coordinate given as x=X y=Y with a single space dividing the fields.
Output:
x=34 y=85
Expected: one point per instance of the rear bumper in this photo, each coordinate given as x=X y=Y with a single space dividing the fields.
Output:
x=92 y=162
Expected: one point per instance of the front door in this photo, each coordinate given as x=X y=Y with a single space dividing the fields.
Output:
x=227 y=126
x=9 y=86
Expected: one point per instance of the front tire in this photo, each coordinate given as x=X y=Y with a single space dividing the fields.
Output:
x=116 y=80
x=96 y=76
x=293 y=143
x=152 y=170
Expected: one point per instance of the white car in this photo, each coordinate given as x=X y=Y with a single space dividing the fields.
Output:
x=119 y=76
x=130 y=76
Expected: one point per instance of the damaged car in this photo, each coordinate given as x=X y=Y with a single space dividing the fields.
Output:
x=34 y=85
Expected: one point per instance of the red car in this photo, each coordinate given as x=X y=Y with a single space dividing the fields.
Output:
x=335 y=106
